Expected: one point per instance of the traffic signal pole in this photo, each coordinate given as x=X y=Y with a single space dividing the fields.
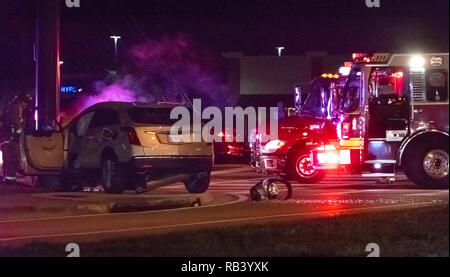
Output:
x=47 y=90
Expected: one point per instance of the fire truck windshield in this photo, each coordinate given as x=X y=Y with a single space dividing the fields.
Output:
x=316 y=102
x=352 y=92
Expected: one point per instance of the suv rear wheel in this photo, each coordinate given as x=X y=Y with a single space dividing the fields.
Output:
x=112 y=175
x=198 y=183
x=300 y=168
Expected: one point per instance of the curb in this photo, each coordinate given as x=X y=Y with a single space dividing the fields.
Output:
x=154 y=205
x=119 y=206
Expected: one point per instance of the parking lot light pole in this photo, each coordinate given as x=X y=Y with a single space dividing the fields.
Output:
x=116 y=39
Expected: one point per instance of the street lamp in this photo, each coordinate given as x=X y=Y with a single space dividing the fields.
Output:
x=116 y=39
x=280 y=50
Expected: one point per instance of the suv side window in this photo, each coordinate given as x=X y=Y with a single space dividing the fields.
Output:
x=105 y=117
x=82 y=125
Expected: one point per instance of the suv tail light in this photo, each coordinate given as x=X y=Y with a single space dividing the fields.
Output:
x=133 y=138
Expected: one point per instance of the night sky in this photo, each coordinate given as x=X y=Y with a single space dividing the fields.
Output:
x=254 y=27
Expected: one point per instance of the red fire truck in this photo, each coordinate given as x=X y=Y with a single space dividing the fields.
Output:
x=393 y=114
x=289 y=155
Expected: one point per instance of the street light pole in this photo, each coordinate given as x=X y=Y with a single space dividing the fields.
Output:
x=280 y=50
x=47 y=85
x=116 y=39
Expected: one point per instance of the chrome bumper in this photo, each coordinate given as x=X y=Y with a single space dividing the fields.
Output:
x=269 y=164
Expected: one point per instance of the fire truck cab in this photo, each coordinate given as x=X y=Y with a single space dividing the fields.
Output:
x=393 y=114
x=289 y=155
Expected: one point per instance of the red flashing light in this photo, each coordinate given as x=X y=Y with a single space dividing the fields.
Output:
x=361 y=57
x=330 y=156
x=398 y=82
x=344 y=157
x=398 y=74
x=358 y=55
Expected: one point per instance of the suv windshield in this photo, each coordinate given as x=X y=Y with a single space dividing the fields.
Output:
x=154 y=116
x=352 y=92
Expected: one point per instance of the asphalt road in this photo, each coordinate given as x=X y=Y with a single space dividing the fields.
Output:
x=336 y=195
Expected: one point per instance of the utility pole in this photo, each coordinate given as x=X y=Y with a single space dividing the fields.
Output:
x=47 y=91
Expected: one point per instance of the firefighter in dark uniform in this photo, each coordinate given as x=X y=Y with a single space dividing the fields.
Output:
x=12 y=121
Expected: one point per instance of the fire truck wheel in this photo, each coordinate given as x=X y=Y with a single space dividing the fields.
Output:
x=427 y=165
x=112 y=175
x=299 y=167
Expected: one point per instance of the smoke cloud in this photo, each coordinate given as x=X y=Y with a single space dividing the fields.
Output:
x=162 y=70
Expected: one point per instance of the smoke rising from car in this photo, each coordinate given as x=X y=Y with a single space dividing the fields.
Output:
x=161 y=70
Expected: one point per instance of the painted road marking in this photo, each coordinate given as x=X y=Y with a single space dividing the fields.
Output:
x=212 y=222
x=435 y=193
x=224 y=172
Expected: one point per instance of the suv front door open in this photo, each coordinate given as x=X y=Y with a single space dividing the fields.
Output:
x=44 y=150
